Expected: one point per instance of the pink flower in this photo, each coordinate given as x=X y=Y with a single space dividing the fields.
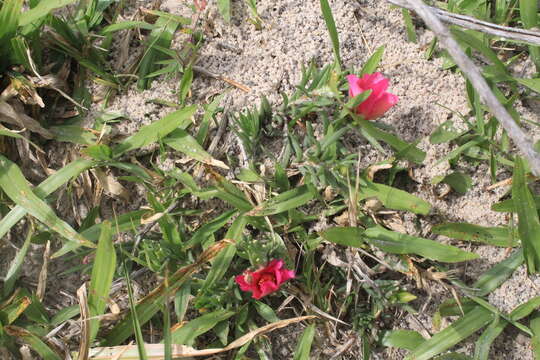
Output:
x=379 y=101
x=265 y=280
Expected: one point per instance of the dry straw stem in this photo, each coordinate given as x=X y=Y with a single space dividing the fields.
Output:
x=520 y=138
x=468 y=22
x=157 y=351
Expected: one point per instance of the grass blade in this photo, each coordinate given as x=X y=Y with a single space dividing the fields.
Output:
x=303 y=348
x=373 y=62
x=157 y=130
x=224 y=7
x=453 y=334
x=498 y=274
x=402 y=339
x=186 y=334
x=331 y=26
x=33 y=341
x=134 y=318
x=15 y=267
x=18 y=190
x=181 y=141
x=496 y=236
x=397 y=243
x=288 y=200
x=393 y=198
x=102 y=276
x=529 y=225
x=42 y=9
x=151 y=304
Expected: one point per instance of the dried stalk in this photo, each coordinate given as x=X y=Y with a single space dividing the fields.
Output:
x=468 y=22
x=467 y=66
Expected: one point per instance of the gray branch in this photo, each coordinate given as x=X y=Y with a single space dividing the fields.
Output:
x=468 y=22
x=520 y=138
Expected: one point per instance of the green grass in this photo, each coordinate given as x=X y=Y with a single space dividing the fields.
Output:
x=209 y=227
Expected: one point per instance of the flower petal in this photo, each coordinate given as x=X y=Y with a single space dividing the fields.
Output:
x=354 y=85
x=244 y=285
x=382 y=105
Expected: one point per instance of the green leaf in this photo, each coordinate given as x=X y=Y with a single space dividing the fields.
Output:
x=371 y=65
x=397 y=243
x=9 y=18
x=73 y=134
x=508 y=205
x=303 y=348
x=33 y=341
x=411 y=34
x=162 y=36
x=332 y=30
x=99 y=152
x=124 y=25
x=224 y=7
x=346 y=236
x=16 y=265
x=288 y=200
x=266 y=312
x=535 y=327
x=208 y=229
x=157 y=130
x=444 y=133
x=402 y=339
x=409 y=151
x=453 y=334
x=181 y=141
x=483 y=344
x=48 y=186
x=525 y=309
x=185 y=84
x=223 y=260
x=393 y=198
x=529 y=225
x=186 y=334
x=458 y=181
x=533 y=84
x=18 y=190
x=498 y=274
x=102 y=276
x=42 y=9
x=497 y=236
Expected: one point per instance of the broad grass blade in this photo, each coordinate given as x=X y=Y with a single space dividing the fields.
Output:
x=529 y=225
x=102 y=276
x=373 y=62
x=496 y=236
x=498 y=274
x=461 y=329
x=48 y=186
x=181 y=141
x=18 y=190
x=346 y=236
x=402 y=339
x=158 y=130
x=288 y=200
x=397 y=243
x=221 y=263
x=303 y=348
x=33 y=341
x=151 y=304
x=16 y=265
x=186 y=334
x=393 y=198
x=41 y=10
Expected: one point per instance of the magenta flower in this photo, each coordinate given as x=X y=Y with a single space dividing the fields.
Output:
x=265 y=280
x=379 y=101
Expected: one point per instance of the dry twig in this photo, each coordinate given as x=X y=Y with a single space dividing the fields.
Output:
x=468 y=22
x=471 y=71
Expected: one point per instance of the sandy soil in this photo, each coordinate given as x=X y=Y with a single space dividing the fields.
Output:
x=269 y=61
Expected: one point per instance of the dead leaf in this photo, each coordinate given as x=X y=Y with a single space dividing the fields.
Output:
x=14 y=114
x=111 y=185
x=84 y=344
